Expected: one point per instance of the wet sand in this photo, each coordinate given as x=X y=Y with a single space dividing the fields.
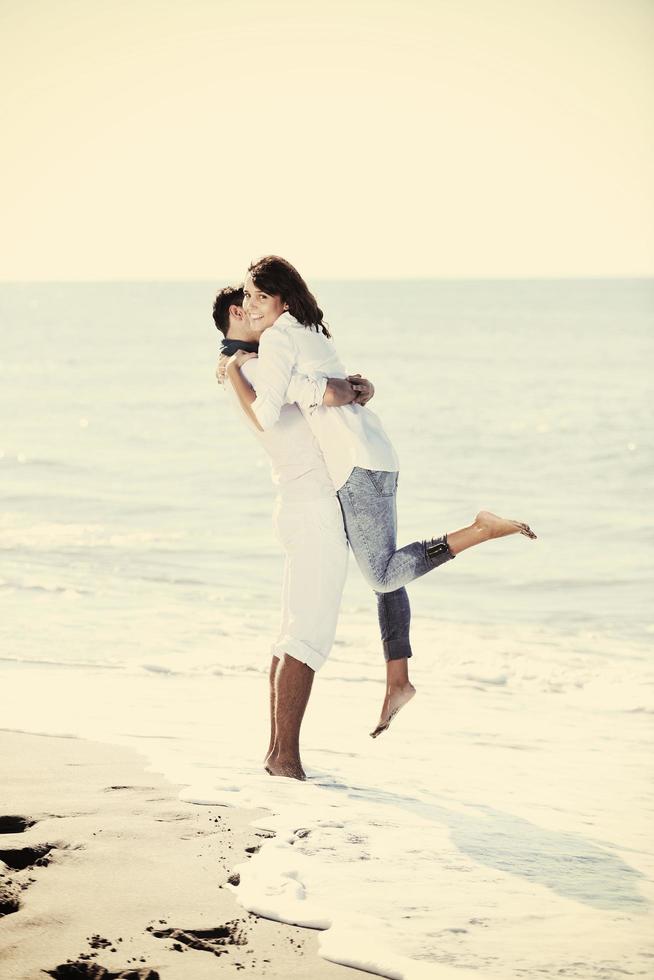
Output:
x=104 y=873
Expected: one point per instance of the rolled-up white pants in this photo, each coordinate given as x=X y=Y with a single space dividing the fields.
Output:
x=313 y=538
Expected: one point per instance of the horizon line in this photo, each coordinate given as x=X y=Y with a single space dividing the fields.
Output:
x=374 y=279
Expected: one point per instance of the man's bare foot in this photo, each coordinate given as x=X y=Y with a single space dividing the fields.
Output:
x=493 y=526
x=278 y=766
x=396 y=698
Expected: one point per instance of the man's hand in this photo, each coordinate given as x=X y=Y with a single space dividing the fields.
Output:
x=353 y=390
x=338 y=392
x=364 y=389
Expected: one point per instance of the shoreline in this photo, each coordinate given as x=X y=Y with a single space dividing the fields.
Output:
x=104 y=872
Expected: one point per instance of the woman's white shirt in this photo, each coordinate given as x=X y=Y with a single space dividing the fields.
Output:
x=350 y=435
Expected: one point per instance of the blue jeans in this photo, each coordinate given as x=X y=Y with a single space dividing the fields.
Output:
x=368 y=502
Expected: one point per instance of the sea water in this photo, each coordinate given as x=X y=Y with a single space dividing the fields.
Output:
x=502 y=824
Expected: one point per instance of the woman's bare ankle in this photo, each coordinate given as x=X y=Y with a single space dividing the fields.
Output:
x=482 y=526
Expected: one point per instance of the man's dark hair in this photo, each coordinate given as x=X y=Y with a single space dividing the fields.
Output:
x=229 y=296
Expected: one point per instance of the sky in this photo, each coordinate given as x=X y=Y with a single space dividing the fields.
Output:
x=180 y=140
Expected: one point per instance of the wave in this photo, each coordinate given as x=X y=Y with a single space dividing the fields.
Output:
x=11 y=586
x=68 y=664
x=51 y=535
x=21 y=460
x=31 y=731
x=573 y=584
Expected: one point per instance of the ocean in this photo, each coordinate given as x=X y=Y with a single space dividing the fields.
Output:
x=503 y=824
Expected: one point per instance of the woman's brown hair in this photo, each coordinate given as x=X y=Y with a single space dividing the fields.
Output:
x=277 y=277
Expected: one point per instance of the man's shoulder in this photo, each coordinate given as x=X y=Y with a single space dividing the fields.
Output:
x=250 y=366
x=249 y=369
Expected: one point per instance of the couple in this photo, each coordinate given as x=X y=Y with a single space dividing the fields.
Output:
x=336 y=473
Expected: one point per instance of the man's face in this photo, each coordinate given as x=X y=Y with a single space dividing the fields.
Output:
x=239 y=324
x=261 y=308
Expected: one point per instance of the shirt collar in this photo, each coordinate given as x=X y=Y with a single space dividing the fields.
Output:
x=287 y=320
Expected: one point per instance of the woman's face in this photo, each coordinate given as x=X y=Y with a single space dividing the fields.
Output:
x=261 y=308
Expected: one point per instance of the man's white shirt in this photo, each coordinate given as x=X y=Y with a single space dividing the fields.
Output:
x=298 y=469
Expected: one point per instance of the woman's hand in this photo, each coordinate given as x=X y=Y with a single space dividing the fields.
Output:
x=220 y=369
x=236 y=360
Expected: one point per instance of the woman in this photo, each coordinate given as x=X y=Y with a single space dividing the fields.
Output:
x=359 y=456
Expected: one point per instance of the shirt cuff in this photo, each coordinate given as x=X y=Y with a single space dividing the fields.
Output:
x=320 y=385
x=306 y=391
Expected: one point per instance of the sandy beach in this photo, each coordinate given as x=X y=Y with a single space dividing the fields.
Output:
x=106 y=874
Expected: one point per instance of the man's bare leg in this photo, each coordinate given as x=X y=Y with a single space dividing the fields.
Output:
x=485 y=527
x=274 y=664
x=293 y=682
x=399 y=690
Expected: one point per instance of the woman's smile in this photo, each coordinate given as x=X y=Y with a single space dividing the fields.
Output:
x=261 y=308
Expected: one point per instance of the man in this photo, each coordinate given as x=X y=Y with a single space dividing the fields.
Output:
x=310 y=526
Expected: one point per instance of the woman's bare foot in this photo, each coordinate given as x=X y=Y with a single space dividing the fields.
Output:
x=396 y=698
x=493 y=526
x=278 y=766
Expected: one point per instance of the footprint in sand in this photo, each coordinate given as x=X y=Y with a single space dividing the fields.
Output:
x=79 y=970
x=16 y=859
x=19 y=858
x=213 y=941
x=15 y=825
x=9 y=895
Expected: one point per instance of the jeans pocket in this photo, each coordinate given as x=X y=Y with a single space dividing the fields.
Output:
x=384 y=481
